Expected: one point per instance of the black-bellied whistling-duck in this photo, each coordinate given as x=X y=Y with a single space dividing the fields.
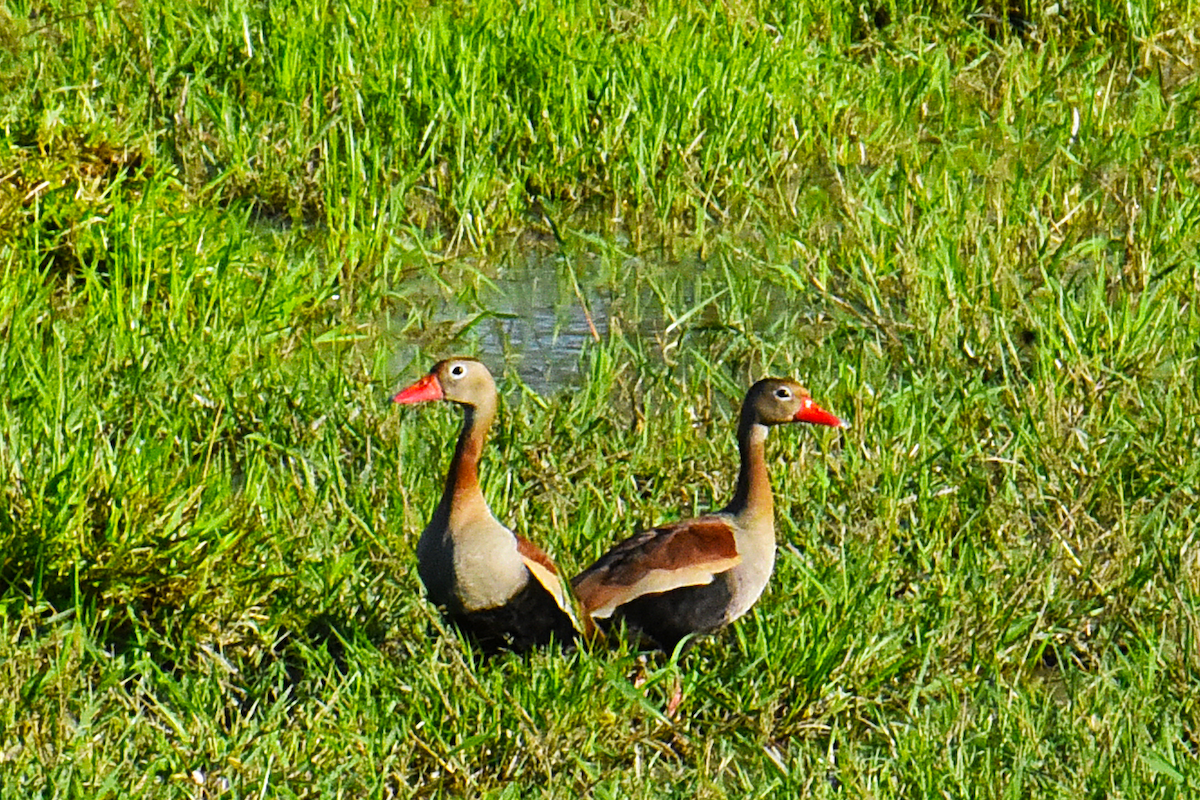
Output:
x=499 y=589
x=699 y=575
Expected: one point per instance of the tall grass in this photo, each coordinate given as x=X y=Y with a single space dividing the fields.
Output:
x=226 y=230
x=366 y=115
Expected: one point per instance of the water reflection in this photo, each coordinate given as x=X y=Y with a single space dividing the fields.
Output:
x=534 y=314
x=542 y=325
x=528 y=318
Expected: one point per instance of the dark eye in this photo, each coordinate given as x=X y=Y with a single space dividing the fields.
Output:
x=458 y=370
x=783 y=393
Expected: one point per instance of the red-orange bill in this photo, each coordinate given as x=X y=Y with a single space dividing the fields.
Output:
x=428 y=388
x=813 y=414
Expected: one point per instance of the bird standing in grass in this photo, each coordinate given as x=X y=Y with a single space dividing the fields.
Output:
x=496 y=587
x=699 y=575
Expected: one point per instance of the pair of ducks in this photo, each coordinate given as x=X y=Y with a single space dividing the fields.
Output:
x=667 y=583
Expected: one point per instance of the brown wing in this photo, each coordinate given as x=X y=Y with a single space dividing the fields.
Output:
x=544 y=571
x=689 y=553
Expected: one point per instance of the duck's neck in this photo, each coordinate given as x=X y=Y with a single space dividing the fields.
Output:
x=462 y=499
x=752 y=500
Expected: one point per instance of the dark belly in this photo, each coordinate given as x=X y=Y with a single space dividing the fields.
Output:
x=531 y=618
x=667 y=617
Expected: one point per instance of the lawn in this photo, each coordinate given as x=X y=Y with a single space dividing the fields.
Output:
x=229 y=230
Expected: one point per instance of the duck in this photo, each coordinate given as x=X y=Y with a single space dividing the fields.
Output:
x=696 y=576
x=497 y=588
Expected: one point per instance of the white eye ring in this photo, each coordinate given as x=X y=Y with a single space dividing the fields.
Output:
x=458 y=370
x=782 y=393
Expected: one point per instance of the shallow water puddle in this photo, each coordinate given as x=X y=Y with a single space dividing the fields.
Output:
x=535 y=312
x=533 y=315
x=541 y=323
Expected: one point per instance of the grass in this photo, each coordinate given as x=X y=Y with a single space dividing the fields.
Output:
x=227 y=230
